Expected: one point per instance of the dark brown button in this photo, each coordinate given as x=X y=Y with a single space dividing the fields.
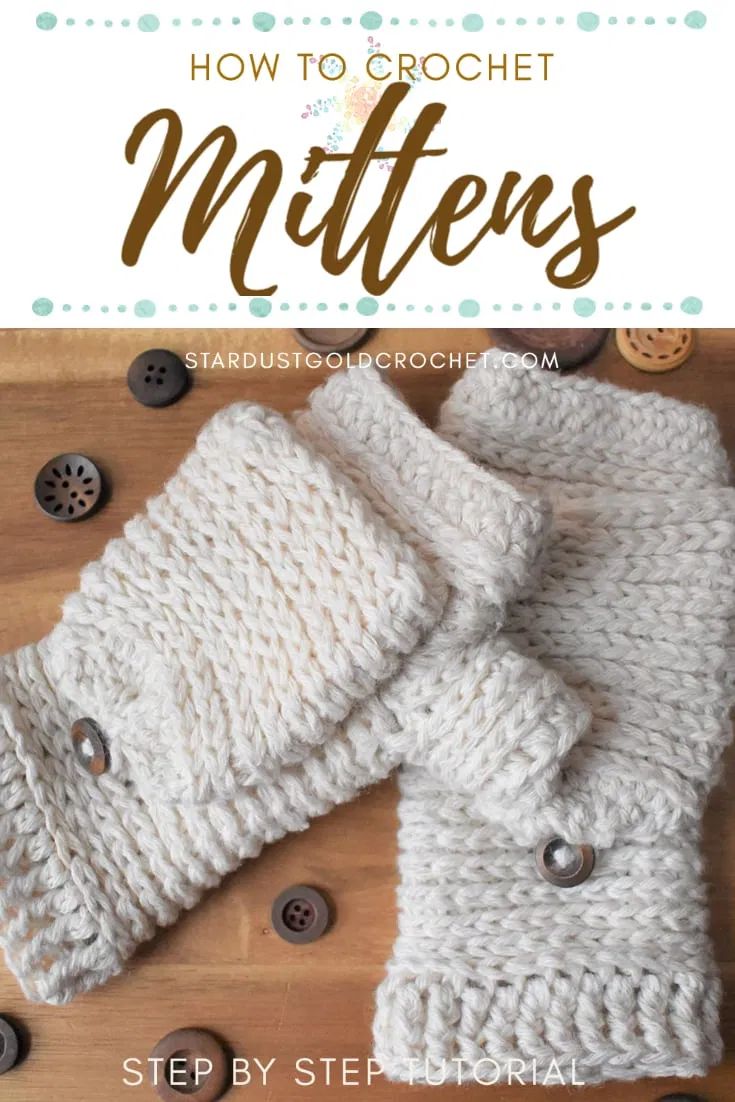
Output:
x=69 y=487
x=300 y=914
x=562 y=864
x=89 y=746
x=682 y=1098
x=571 y=347
x=331 y=340
x=8 y=1046
x=158 y=378
x=189 y=1063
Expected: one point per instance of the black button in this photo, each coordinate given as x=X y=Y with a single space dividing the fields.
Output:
x=8 y=1046
x=89 y=747
x=189 y=1063
x=562 y=864
x=158 y=378
x=69 y=487
x=300 y=914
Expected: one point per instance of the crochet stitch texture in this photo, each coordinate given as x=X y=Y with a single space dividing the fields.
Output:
x=614 y=977
x=231 y=647
x=216 y=644
x=464 y=704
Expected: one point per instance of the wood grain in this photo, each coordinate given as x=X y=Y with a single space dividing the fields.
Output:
x=221 y=967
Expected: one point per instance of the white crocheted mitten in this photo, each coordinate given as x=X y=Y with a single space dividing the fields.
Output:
x=215 y=645
x=611 y=977
x=465 y=704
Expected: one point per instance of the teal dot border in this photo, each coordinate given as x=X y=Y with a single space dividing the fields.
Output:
x=369 y=307
x=471 y=22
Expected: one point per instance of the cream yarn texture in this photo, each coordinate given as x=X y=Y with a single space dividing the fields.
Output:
x=230 y=647
x=465 y=704
x=216 y=644
x=614 y=978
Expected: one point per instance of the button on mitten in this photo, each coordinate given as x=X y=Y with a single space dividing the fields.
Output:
x=611 y=977
x=238 y=663
x=146 y=744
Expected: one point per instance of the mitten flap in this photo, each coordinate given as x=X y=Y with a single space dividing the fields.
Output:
x=257 y=600
x=636 y=612
x=579 y=430
x=484 y=535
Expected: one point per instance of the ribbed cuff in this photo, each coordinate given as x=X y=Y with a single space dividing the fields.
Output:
x=59 y=934
x=546 y=1027
x=89 y=869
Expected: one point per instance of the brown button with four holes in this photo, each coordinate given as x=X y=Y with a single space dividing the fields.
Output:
x=331 y=340
x=69 y=487
x=562 y=864
x=189 y=1063
x=8 y=1046
x=158 y=378
x=300 y=914
x=655 y=350
x=89 y=746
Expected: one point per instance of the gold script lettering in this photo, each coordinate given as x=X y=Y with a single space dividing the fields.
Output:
x=463 y=197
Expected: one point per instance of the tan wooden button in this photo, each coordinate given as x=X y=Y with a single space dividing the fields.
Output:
x=562 y=864
x=655 y=350
x=300 y=914
x=89 y=746
x=189 y=1063
x=8 y=1046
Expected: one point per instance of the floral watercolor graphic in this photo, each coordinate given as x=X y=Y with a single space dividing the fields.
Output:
x=350 y=107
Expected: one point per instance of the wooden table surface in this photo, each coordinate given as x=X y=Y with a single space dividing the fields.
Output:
x=222 y=967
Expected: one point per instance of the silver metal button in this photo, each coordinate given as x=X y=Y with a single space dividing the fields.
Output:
x=562 y=864
x=89 y=746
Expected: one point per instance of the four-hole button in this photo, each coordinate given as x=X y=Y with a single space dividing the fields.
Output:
x=300 y=914
x=158 y=378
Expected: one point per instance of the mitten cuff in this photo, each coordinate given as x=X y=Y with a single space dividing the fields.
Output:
x=58 y=932
x=577 y=429
x=613 y=978
x=484 y=534
x=546 y=1027
x=89 y=870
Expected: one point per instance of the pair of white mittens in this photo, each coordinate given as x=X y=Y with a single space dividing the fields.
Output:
x=544 y=641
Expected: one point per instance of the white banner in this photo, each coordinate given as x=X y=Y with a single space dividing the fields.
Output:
x=414 y=164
